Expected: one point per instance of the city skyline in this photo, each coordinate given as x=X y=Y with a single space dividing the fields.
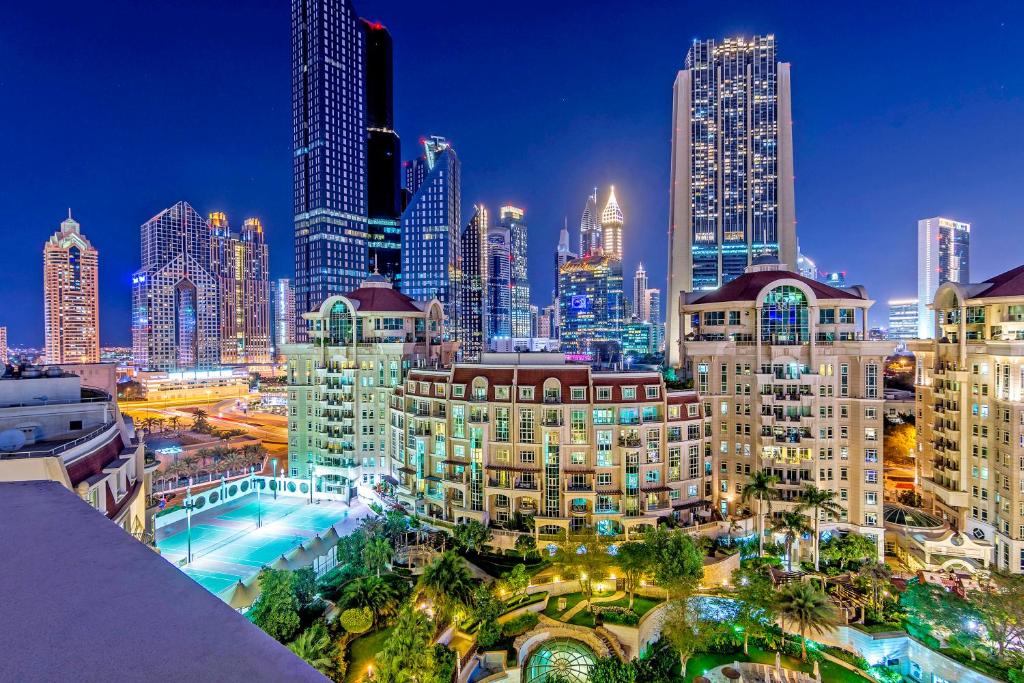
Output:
x=848 y=184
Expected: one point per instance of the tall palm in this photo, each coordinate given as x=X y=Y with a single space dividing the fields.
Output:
x=407 y=656
x=373 y=593
x=818 y=500
x=314 y=645
x=174 y=422
x=877 y=575
x=792 y=525
x=806 y=608
x=448 y=583
x=377 y=554
x=761 y=488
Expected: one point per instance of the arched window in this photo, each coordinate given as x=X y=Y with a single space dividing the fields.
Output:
x=339 y=325
x=479 y=389
x=784 y=316
x=552 y=390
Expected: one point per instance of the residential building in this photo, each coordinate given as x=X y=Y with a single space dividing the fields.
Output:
x=240 y=263
x=511 y=218
x=970 y=412
x=569 y=446
x=590 y=305
x=283 y=313
x=731 y=190
x=640 y=294
x=943 y=255
x=611 y=227
x=175 y=311
x=590 y=227
x=498 y=305
x=903 y=319
x=361 y=346
x=638 y=338
x=473 y=285
x=432 y=229
x=71 y=296
x=790 y=385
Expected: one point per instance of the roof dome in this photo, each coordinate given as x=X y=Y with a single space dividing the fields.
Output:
x=612 y=213
x=377 y=281
x=910 y=517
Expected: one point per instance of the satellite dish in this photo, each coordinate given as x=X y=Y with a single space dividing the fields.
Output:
x=11 y=440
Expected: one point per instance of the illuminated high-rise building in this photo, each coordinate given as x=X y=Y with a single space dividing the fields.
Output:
x=943 y=255
x=591 y=304
x=563 y=253
x=640 y=293
x=239 y=261
x=590 y=227
x=652 y=307
x=3 y=346
x=175 y=313
x=71 y=296
x=282 y=305
x=731 y=189
x=473 y=285
x=432 y=228
x=835 y=278
x=329 y=142
x=511 y=218
x=611 y=227
x=806 y=266
x=498 y=307
x=902 y=319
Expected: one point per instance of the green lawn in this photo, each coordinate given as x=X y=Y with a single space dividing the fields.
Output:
x=571 y=600
x=496 y=565
x=833 y=673
x=361 y=653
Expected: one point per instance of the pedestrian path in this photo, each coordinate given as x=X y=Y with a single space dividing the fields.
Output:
x=582 y=604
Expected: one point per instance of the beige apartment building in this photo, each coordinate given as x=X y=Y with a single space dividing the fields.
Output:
x=791 y=384
x=71 y=296
x=970 y=414
x=528 y=434
x=361 y=346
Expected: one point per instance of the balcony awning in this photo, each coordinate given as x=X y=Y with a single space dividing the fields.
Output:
x=512 y=468
x=655 y=489
x=692 y=504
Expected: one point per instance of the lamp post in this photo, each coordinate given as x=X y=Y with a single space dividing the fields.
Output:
x=310 y=466
x=259 y=504
x=188 y=519
x=273 y=471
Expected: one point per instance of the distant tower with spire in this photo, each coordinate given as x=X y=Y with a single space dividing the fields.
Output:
x=611 y=227
x=71 y=296
x=590 y=228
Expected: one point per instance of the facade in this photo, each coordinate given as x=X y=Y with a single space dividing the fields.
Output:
x=806 y=266
x=498 y=304
x=638 y=338
x=71 y=296
x=240 y=263
x=903 y=319
x=590 y=227
x=652 y=303
x=943 y=255
x=591 y=304
x=329 y=143
x=511 y=218
x=175 y=311
x=970 y=412
x=383 y=156
x=563 y=253
x=640 y=294
x=283 y=313
x=432 y=229
x=566 y=445
x=362 y=345
x=547 y=322
x=473 y=285
x=731 y=192
x=792 y=387
x=167 y=385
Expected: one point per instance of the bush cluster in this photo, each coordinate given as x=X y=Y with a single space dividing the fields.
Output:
x=519 y=625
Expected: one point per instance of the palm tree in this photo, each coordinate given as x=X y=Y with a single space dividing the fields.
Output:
x=407 y=656
x=314 y=645
x=818 y=500
x=174 y=422
x=877 y=575
x=158 y=424
x=448 y=583
x=806 y=608
x=373 y=593
x=792 y=525
x=191 y=463
x=761 y=488
x=377 y=554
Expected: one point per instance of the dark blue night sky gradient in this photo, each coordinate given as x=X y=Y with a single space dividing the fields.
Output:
x=119 y=109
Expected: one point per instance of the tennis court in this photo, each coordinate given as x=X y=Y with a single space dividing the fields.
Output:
x=228 y=543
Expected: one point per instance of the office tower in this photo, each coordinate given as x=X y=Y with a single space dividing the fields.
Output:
x=511 y=218
x=590 y=227
x=835 y=278
x=638 y=338
x=432 y=229
x=611 y=227
x=175 y=314
x=590 y=305
x=283 y=312
x=640 y=294
x=534 y=320
x=239 y=261
x=903 y=319
x=547 y=323
x=383 y=156
x=329 y=142
x=498 y=307
x=71 y=296
x=653 y=308
x=731 y=191
x=806 y=267
x=790 y=352
x=969 y=387
x=563 y=253
x=4 y=358
x=943 y=255
x=473 y=286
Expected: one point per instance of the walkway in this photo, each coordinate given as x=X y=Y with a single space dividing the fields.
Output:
x=582 y=605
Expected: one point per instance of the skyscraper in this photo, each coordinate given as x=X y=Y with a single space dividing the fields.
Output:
x=283 y=313
x=611 y=227
x=384 y=155
x=591 y=304
x=732 y=168
x=512 y=220
x=835 y=278
x=71 y=296
x=239 y=261
x=806 y=266
x=329 y=141
x=175 y=314
x=498 y=307
x=902 y=319
x=473 y=285
x=943 y=255
x=640 y=294
x=432 y=228
x=590 y=228
x=563 y=253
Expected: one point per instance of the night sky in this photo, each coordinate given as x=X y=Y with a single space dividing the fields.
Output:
x=120 y=109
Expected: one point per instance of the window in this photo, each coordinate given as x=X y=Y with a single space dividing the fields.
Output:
x=525 y=393
x=714 y=318
x=526 y=425
x=604 y=393
x=827 y=316
x=628 y=393
x=501 y=393
x=844 y=379
x=652 y=391
x=784 y=316
x=459 y=391
x=578 y=393
x=734 y=317
x=871 y=380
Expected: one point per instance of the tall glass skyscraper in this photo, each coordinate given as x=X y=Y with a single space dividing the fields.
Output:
x=498 y=317
x=240 y=264
x=591 y=305
x=732 y=194
x=943 y=255
x=329 y=140
x=283 y=313
x=71 y=297
x=473 y=285
x=512 y=220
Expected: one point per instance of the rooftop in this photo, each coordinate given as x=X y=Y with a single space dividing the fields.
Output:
x=85 y=601
x=748 y=286
x=1010 y=283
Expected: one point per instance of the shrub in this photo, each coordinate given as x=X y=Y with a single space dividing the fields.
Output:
x=618 y=615
x=489 y=633
x=519 y=625
x=356 y=620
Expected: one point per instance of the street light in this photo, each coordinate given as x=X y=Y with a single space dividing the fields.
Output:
x=189 y=505
x=273 y=471
x=259 y=505
x=310 y=465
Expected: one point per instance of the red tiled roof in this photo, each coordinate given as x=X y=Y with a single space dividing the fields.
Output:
x=382 y=299
x=747 y=286
x=1010 y=283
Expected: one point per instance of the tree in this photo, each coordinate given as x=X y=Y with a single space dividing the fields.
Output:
x=909 y=498
x=200 y=424
x=1000 y=606
x=677 y=560
x=314 y=645
x=584 y=556
x=611 y=669
x=515 y=582
x=761 y=488
x=174 y=422
x=689 y=631
x=448 y=584
x=849 y=550
x=377 y=554
x=756 y=595
x=876 y=575
x=473 y=536
x=407 y=656
x=792 y=525
x=486 y=610
x=805 y=608
x=634 y=562
x=525 y=543
x=356 y=620
x=899 y=441
x=276 y=611
x=818 y=500
x=373 y=593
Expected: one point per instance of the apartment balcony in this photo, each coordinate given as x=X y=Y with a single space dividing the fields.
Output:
x=579 y=510
x=608 y=510
x=498 y=484
x=552 y=420
x=478 y=418
x=951 y=497
x=526 y=485
x=629 y=441
x=629 y=421
x=579 y=488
